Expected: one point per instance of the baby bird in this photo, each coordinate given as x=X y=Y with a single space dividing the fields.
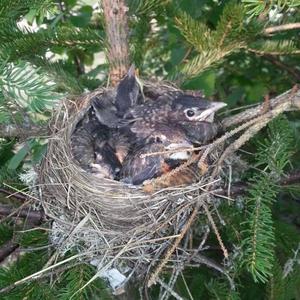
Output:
x=172 y=109
x=142 y=163
x=110 y=107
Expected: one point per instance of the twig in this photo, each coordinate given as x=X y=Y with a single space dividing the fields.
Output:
x=289 y=96
x=276 y=53
x=276 y=62
x=210 y=263
x=7 y=249
x=216 y=231
x=116 y=27
x=34 y=216
x=31 y=278
x=257 y=126
x=22 y=130
x=283 y=27
x=155 y=274
x=12 y=194
x=166 y=287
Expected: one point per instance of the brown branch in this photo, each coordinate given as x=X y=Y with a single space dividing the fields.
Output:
x=35 y=217
x=116 y=27
x=18 y=196
x=283 y=27
x=7 y=249
x=241 y=187
x=275 y=53
x=276 y=62
x=24 y=131
x=292 y=96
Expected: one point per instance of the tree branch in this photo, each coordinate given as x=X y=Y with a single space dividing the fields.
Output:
x=241 y=187
x=276 y=62
x=35 y=217
x=23 y=130
x=116 y=26
x=291 y=96
x=289 y=26
x=13 y=194
x=7 y=249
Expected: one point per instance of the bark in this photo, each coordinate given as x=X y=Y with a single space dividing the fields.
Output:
x=283 y=27
x=7 y=249
x=116 y=27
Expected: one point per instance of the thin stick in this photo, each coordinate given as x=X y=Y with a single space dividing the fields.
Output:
x=186 y=227
x=289 y=26
x=216 y=231
x=166 y=287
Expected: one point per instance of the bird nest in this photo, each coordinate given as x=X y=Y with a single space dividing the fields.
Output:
x=138 y=230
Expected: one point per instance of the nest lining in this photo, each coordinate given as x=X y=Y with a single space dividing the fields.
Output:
x=117 y=223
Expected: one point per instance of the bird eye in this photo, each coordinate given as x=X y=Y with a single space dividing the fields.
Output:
x=190 y=113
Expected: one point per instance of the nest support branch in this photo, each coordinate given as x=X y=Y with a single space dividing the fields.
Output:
x=117 y=33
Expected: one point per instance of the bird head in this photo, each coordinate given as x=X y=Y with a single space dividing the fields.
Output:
x=186 y=108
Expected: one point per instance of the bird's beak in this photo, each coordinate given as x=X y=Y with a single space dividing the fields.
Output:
x=132 y=71
x=208 y=114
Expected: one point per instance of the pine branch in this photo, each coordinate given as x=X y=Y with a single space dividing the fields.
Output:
x=212 y=46
x=282 y=47
x=259 y=240
x=22 y=44
x=144 y=7
x=116 y=27
x=28 y=87
x=241 y=187
x=262 y=8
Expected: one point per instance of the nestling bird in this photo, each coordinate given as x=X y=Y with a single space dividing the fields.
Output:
x=128 y=93
x=109 y=147
x=91 y=148
x=138 y=167
x=172 y=122
x=173 y=109
x=107 y=163
x=105 y=110
x=109 y=108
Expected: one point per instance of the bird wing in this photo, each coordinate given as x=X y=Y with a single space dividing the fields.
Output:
x=105 y=110
x=137 y=169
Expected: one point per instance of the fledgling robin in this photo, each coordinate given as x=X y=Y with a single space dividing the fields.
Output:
x=105 y=110
x=91 y=149
x=128 y=92
x=110 y=147
x=172 y=109
x=201 y=133
x=106 y=163
x=110 y=107
x=139 y=166
x=168 y=123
